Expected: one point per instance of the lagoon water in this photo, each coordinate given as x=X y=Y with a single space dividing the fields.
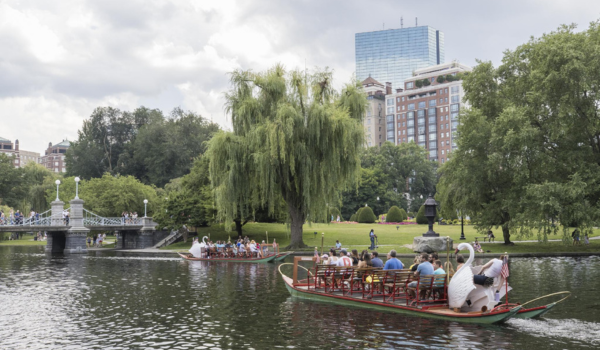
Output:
x=108 y=300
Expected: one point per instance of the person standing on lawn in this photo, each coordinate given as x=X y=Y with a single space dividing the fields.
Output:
x=372 y=236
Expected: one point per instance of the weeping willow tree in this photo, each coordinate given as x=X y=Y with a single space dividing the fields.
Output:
x=294 y=137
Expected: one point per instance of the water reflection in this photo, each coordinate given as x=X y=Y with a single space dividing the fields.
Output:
x=108 y=300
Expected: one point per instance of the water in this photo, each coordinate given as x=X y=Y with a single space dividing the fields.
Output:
x=113 y=301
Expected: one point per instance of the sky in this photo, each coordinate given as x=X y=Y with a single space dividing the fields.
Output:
x=59 y=60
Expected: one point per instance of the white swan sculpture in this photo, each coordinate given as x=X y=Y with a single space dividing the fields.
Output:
x=198 y=249
x=461 y=283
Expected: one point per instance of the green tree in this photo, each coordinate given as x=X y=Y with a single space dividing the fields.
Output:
x=12 y=190
x=293 y=137
x=441 y=79
x=419 y=83
x=422 y=219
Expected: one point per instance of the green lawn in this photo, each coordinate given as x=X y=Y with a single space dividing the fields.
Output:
x=24 y=240
x=356 y=236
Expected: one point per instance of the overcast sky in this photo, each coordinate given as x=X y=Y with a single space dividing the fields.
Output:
x=61 y=59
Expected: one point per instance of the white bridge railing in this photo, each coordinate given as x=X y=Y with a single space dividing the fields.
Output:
x=91 y=219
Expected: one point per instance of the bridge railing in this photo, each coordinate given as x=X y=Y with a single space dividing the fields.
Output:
x=92 y=219
x=40 y=219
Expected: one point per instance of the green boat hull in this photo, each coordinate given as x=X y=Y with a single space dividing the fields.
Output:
x=538 y=312
x=257 y=260
x=467 y=318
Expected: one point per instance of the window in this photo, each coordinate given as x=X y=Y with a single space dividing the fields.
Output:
x=454 y=89
x=446 y=90
x=432 y=136
x=368 y=120
x=398 y=109
x=442 y=160
x=411 y=139
x=388 y=126
x=432 y=145
x=404 y=139
x=411 y=106
x=432 y=120
x=433 y=153
x=402 y=98
x=432 y=103
x=447 y=134
x=441 y=100
x=454 y=115
x=442 y=118
x=422 y=130
x=447 y=142
x=442 y=152
x=446 y=125
x=390 y=110
x=369 y=129
x=446 y=109
x=409 y=85
x=403 y=132
x=399 y=132
x=398 y=116
x=403 y=124
x=421 y=138
x=454 y=108
x=454 y=99
x=411 y=115
x=446 y=100
x=431 y=112
x=441 y=126
x=410 y=123
x=421 y=121
x=432 y=79
x=454 y=125
x=432 y=128
x=64 y=170
x=441 y=91
x=422 y=104
x=398 y=99
x=55 y=163
x=403 y=107
x=421 y=113
x=380 y=137
x=56 y=170
x=390 y=102
x=389 y=118
x=390 y=134
x=411 y=131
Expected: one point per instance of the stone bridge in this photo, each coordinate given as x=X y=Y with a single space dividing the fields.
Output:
x=69 y=236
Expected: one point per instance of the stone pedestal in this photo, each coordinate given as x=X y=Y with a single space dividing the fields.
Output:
x=57 y=210
x=432 y=244
x=75 y=242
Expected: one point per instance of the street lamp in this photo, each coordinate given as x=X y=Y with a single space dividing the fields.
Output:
x=77 y=179
x=145 y=206
x=57 y=182
x=430 y=209
x=462 y=226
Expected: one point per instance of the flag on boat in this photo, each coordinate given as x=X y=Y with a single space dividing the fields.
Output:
x=504 y=272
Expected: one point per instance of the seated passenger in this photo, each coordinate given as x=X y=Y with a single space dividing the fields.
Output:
x=344 y=260
x=460 y=260
x=375 y=259
x=365 y=260
x=333 y=259
x=415 y=264
x=392 y=263
x=425 y=268
x=493 y=270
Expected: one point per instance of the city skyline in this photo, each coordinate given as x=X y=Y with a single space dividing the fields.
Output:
x=64 y=59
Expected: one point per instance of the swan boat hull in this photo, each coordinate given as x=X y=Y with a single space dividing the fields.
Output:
x=188 y=256
x=281 y=256
x=441 y=313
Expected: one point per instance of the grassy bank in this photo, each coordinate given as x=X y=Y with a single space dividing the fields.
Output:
x=356 y=236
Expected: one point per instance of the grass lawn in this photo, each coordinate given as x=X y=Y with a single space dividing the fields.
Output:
x=356 y=236
x=24 y=240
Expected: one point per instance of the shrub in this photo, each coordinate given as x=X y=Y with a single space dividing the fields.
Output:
x=366 y=216
x=419 y=83
x=353 y=218
x=404 y=215
x=441 y=79
x=426 y=82
x=394 y=215
x=450 y=78
x=422 y=220
x=411 y=214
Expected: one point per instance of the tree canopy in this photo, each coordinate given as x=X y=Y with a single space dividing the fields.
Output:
x=529 y=146
x=294 y=137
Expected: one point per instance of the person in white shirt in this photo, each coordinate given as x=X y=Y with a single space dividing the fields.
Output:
x=344 y=260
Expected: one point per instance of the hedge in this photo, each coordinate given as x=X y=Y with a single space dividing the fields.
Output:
x=366 y=216
x=422 y=220
x=395 y=215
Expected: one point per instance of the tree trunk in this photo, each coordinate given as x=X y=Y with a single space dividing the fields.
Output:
x=297 y=221
x=506 y=234
x=238 y=227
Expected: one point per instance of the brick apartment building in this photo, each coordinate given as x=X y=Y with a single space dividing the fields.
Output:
x=54 y=158
x=426 y=109
x=21 y=157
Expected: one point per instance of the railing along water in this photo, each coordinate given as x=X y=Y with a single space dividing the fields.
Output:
x=92 y=219
x=40 y=219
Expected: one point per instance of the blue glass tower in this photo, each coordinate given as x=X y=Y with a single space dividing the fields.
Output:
x=392 y=55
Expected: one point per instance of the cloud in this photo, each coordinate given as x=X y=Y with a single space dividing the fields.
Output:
x=62 y=59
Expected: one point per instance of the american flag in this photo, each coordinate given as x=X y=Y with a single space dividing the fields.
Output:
x=504 y=272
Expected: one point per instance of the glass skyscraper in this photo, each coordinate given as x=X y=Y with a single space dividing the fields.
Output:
x=392 y=55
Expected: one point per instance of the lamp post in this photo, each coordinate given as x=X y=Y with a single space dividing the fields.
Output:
x=462 y=226
x=57 y=182
x=77 y=179
x=145 y=206
x=430 y=209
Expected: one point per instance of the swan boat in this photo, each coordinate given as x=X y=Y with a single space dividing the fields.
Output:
x=311 y=288
x=199 y=252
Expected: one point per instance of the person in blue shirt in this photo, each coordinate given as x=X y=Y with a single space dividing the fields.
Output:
x=375 y=260
x=372 y=236
x=425 y=268
x=392 y=263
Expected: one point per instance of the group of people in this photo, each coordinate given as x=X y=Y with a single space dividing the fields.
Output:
x=576 y=238
x=16 y=218
x=96 y=240
x=242 y=248
x=129 y=217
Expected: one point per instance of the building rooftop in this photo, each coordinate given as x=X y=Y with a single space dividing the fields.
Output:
x=64 y=143
x=371 y=81
x=2 y=139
